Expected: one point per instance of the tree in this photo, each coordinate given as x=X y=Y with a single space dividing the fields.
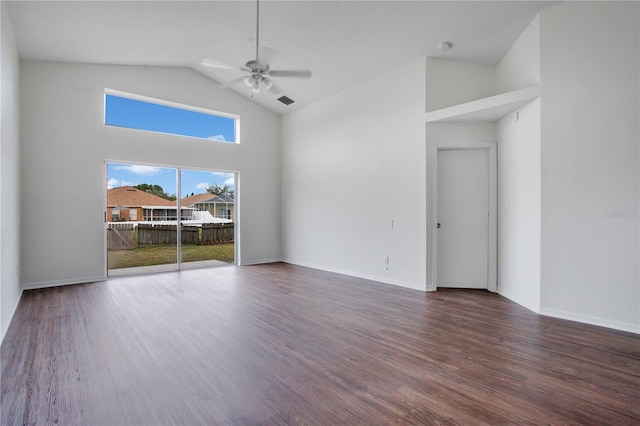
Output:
x=221 y=190
x=155 y=190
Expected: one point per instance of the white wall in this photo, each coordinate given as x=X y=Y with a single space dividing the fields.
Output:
x=65 y=145
x=519 y=206
x=451 y=83
x=350 y=164
x=519 y=175
x=520 y=66
x=9 y=175
x=590 y=139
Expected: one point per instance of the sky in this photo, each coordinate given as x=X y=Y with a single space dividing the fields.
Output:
x=137 y=114
x=193 y=181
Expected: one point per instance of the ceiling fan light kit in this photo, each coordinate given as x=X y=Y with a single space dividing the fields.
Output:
x=258 y=71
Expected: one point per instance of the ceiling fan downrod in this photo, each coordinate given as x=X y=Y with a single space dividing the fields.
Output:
x=257 y=29
x=260 y=73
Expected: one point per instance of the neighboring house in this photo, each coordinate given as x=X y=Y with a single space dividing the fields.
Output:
x=129 y=204
x=219 y=206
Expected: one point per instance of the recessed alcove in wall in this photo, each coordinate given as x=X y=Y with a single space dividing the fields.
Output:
x=480 y=116
x=490 y=109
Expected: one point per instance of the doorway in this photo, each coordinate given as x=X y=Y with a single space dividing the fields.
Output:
x=166 y=219
x=464 y=225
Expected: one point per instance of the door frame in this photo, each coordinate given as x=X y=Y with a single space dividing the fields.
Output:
x=492 y=249
x=179 y=169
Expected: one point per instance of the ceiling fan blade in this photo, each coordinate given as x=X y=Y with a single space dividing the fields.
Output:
x=212 y=63
x=290 y=73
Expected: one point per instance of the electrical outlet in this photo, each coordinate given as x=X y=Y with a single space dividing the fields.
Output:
x=391 y=223
x=385 y=260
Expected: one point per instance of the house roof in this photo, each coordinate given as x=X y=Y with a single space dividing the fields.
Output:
x=205 y=198
x=224 y=199
x=197 y=198
x=128 y=196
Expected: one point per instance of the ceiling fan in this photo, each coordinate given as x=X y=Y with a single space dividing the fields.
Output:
x=259 y=72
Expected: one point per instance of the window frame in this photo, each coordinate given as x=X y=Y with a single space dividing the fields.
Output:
x=171 y=104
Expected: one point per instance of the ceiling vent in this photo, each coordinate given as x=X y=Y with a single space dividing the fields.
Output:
x=285 y=100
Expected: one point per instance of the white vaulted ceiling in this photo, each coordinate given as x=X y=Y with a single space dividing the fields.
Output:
x=342 y=42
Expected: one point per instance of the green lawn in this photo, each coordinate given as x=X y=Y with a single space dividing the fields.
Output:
x=160 y=255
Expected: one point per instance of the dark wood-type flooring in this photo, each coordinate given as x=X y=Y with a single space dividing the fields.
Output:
x=281 y=344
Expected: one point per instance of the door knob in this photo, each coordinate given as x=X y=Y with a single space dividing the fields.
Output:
x=438 y=225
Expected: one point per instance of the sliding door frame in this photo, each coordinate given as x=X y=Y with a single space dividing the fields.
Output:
x=179 y=170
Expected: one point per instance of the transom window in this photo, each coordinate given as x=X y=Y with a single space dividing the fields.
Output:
x=154 y=115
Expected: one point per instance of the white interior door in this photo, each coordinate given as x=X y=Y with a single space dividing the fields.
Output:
x=463 y=217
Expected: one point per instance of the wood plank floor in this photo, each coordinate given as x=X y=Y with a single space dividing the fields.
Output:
x=281 y=344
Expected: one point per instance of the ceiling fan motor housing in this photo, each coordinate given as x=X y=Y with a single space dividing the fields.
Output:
x=257 y=68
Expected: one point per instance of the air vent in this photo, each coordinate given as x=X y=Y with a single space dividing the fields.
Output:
x=285 y=100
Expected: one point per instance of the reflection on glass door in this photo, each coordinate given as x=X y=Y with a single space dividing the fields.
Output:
x=146 y=221
x=141 y=219
x=208 y=225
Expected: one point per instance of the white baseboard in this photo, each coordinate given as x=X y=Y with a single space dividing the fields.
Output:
x=519 y=301
x=57 y=283
x=12 y=312
x=588 y=319
x=384 y=280
x=259 y=261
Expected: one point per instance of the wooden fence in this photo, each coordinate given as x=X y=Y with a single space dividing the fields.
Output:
x=150 y=235
x=217 y=233
x=121 y=236
x=126 y=236
x=190 y=234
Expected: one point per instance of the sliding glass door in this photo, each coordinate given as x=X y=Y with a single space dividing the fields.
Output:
x=208 y=223
x=153 y=227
